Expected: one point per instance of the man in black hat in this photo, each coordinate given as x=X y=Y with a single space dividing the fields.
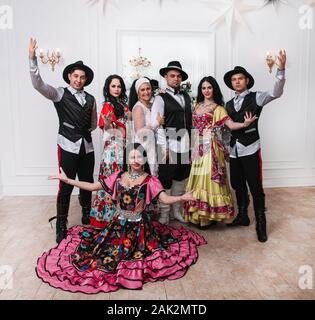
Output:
x=77 y=115
x=173 y=138
x=245 y=157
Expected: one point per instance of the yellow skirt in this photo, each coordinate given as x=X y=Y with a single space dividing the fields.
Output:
x=214 y=201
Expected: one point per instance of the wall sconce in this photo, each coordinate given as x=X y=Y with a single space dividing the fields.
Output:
x=271 y=61
x=52 y=58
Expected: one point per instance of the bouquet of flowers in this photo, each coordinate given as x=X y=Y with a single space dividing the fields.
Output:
x=186 y=87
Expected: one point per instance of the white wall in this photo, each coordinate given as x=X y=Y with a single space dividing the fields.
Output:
x=83 y=32
x=1 y=187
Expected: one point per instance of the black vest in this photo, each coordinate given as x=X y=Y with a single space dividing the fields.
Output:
x=74 y=119
x=249 y=135
x=175 y=115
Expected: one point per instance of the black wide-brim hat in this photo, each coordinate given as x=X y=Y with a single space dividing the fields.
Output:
x=174 y=65
x=236 y=70
x=79 y=65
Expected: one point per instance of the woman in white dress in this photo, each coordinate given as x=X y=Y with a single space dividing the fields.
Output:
x=141 y=117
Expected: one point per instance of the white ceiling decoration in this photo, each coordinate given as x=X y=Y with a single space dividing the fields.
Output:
x=231 y=13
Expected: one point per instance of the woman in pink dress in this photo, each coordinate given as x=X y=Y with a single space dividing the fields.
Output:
x=132 y=249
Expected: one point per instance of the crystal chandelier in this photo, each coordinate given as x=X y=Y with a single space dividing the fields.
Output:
x=139 y=63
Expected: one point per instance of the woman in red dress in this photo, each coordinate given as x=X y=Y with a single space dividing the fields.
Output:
x=112 y=121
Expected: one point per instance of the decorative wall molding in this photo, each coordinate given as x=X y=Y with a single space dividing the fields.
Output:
x=283 y=165
x=195 y=51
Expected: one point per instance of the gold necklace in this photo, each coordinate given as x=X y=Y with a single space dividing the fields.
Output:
x=205 y=106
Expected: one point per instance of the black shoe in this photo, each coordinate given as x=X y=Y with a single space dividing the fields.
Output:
x=242 y=203
x=62 y=219
x=86 y=208
x=261 y=232
x=261 y=224
x=61 y=228
x=211 y=224
x=261 y=227
x=241 y=219
x=85 y=218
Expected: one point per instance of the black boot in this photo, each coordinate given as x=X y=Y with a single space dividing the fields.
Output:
x=61 y=224
x=208 y=226
x=86 y=208
x=261 y=224
x=242 y=216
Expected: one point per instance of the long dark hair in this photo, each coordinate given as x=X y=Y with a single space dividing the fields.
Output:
x=217 y=94
x=118 y=104
x=138 y=147
x=133 y=96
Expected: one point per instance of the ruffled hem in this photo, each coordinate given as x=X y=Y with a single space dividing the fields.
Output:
x=200 y=217
x=208 y=207
x=55 y=268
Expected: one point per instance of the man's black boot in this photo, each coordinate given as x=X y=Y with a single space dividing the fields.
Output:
x=86 y=208
x=261 y=223
x=242 y=218
x=61 y=224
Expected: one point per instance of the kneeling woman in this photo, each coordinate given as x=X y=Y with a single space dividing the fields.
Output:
x=131 y=250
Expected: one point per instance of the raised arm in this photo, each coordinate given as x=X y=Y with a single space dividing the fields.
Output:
x=51 y=93
x=80 y=184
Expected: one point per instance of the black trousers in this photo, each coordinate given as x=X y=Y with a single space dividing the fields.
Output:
x=81 y=164
x=176 y=168
x=247 y=169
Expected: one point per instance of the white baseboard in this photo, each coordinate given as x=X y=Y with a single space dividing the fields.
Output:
x=34 y=190
x=289 y=182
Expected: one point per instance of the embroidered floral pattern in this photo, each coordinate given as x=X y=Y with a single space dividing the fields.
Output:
x=121 y=239
x=103 y=208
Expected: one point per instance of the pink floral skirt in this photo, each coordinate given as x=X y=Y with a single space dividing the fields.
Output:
x=56 y=266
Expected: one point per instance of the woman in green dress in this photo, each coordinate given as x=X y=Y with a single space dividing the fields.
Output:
x=208 y=178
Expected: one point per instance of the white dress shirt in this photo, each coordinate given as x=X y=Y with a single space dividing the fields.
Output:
x=158 y=107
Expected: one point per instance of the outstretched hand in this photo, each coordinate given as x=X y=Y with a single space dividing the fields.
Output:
x=107 y=119
x=188 y=196
x=60 y=176
x=249 y=118
x=32 y=48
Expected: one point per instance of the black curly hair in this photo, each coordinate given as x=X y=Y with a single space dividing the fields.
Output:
x=120 y=102
x=140 y=148
x=217 y=94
